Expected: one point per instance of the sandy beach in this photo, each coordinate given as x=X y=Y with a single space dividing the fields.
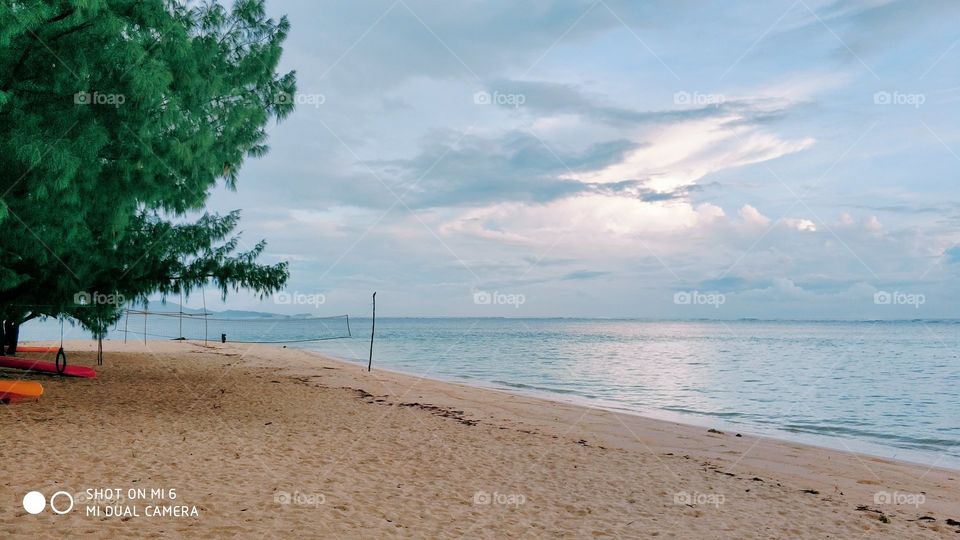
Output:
x=258 y=441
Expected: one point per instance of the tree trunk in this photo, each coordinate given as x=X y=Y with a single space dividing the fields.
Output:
x=11 y=335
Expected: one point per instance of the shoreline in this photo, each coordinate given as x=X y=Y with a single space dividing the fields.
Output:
x=238 y=430
x=819 y=441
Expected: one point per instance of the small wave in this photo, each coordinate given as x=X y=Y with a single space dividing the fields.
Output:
x=920 y=443
x=704 y=413
x=543 y=388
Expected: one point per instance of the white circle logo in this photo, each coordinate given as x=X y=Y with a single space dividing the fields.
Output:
x=34 y=502
x=54 y=508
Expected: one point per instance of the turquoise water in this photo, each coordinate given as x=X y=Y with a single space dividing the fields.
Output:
x=886 y=388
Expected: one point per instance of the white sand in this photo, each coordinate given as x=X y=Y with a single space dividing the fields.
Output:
x=269 y=442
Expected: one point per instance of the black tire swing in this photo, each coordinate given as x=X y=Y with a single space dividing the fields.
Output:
x=61 y=361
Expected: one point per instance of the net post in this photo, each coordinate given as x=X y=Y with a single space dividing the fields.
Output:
x=373 y=326
x=203 y=292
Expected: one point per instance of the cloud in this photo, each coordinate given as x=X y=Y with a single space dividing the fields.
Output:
x=544 y=98
x=517 y=166
x=799 y=224
x=753 y=217
x=581 y=275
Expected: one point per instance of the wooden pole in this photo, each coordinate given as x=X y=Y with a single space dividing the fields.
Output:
x=205 y=328
x=373 y=326
x=181 y=313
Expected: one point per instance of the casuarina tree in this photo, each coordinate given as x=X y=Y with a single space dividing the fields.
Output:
x=117 y=119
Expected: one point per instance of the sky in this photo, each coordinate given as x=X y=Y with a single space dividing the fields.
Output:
x=613 y=158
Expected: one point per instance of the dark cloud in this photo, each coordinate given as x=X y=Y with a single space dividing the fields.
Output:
x=580 y=275
x=474 y=171
x=542 y=98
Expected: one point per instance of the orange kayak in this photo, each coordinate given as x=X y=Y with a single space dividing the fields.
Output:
x=38 y=349
x=19 y=390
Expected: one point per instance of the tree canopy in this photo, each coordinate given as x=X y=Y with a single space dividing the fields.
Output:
x=117 y=119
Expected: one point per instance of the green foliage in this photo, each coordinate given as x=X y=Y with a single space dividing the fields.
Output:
x=117 y=118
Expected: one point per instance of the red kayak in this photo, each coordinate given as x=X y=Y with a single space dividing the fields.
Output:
x=30 y=364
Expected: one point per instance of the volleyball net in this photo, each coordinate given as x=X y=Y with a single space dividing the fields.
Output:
x=143 y=324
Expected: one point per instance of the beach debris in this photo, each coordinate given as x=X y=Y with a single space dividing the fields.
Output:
x=363 y=393
x=757 y=479
x=924 y=518
x=717 y=431
x=880 y=515
x=582 y=442
x=442 y=412
x=811 y=491
x=953 y=522
x=739 y=435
